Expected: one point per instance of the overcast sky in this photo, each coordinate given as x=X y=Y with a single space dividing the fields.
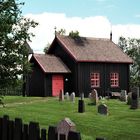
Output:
x=92 y=18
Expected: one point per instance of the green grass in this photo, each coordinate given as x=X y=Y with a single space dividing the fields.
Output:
x=122 y=123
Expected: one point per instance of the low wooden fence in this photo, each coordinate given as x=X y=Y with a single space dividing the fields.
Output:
x=10 y=92
x=16 y=130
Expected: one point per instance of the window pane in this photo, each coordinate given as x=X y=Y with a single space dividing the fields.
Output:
x=95 y=80
x=114 y=79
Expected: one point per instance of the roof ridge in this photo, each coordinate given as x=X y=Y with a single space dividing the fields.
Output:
x=93 y=49
x=93 y=38
x=96 y=38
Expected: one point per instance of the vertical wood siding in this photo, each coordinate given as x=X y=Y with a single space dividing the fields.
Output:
x=80 y=76
x=36 y=81
x=84 y=70
x=48 y=85
x=71 y=64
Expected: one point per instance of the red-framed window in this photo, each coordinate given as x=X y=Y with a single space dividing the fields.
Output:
x=114 y=79
x=95 y=79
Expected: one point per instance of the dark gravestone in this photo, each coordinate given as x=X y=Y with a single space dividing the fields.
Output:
x=52 y=134
x=103 y=109
x=74 y=135
x=81 y=106
x=135 y=98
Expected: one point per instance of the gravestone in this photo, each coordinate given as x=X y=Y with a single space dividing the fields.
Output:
x=135 y=98
x=89 y=95
x=103 y=109
x=81 y=104
x=63 y=128
x=123 y=96
x=129 y=98
x=61 y=95
x=94 y=97
x=100 y=97
x=82 y=96
x=67 y=96
x=72 y=97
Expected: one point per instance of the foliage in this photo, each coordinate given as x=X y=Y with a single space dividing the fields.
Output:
x=46 y=48
x=14 y=32
x=122 y=123
x=1 y=101
x=74 y=34
x=122 y=43
x=132 y=47
x=61 y=31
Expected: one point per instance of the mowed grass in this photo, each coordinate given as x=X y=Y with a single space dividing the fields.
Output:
x=122 y=123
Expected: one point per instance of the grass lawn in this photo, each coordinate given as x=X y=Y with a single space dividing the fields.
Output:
x=121 y=124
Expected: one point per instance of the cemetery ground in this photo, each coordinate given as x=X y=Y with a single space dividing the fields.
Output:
x=122 y=123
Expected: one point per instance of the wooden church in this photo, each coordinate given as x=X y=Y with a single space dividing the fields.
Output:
x=79 y=65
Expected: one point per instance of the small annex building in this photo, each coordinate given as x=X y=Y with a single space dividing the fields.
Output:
x=79 y=65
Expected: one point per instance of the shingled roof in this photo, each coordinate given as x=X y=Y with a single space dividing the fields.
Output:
x=85 y=49
x=51 y=63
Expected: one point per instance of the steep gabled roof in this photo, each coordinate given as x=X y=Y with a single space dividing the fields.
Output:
x=30 y=50
x=85 y=49
x=51 y=63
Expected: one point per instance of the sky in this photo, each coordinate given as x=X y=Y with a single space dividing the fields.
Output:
x=92 y=18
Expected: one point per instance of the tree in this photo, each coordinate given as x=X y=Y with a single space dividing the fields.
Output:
x=131 y=46
x=14 y=32
x=74 y=34
x=122 y=43
x=61 y=31
x=46 y=48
